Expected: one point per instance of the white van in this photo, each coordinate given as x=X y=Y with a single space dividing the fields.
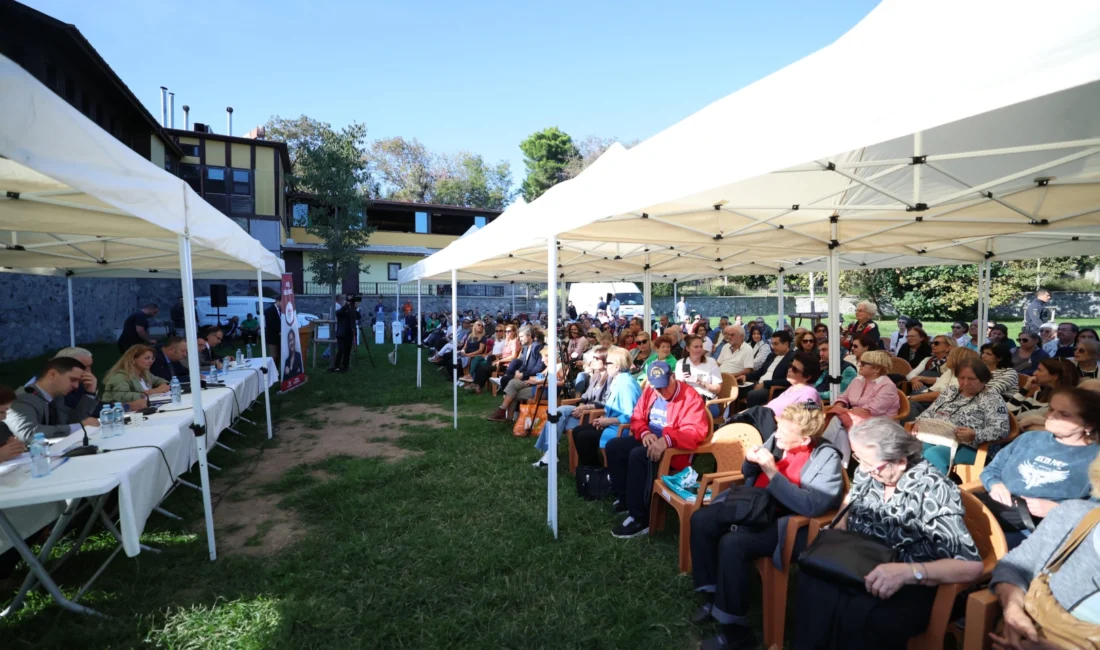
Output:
x=239 y=306
x=586 y=295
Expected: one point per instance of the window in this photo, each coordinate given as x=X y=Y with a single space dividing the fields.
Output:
x=215 y=180
x=266 y=232
x=192 y=175
x=191 y=150
x=242 y=185
x=479 y=222
x=392 y=270
x=422 y=222
x=299 y=215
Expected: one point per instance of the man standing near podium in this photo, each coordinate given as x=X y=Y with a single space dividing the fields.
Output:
x=345 y=333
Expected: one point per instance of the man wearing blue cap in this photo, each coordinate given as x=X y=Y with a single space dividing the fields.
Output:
x=668 y=415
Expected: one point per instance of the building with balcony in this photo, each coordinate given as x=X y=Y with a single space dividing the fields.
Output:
x=404 y=233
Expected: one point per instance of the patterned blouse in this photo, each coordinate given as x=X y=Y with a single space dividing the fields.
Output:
x=985 y=413
x=923 y=519
x=1005 y=382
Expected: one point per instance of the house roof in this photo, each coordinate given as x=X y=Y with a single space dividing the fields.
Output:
x=82 y=43
x=284 y=152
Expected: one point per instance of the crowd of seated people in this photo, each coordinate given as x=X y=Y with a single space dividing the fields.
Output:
x=643 y=395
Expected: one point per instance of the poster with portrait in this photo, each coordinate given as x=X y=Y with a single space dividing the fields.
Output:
x=291 y=364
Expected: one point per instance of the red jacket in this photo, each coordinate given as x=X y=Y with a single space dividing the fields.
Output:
x=687 y=424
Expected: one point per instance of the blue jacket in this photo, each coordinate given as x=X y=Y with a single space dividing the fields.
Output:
x=529 y=364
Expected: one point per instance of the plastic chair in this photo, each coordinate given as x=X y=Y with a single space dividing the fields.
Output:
x=728 y=446
x=726 y=395
x=970 y=473
x=903 y=410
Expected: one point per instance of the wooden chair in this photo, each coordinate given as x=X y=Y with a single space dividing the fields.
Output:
x=900 y=366
x=775 y=581
x=990 y=540
x=903 y=411
x=728 y=446
x=574 y=457
x=971 y=473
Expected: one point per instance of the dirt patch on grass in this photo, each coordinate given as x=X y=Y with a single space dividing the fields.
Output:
x=252 y=523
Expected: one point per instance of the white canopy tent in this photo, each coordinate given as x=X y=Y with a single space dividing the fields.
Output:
x=76 y=200
x=925 y=129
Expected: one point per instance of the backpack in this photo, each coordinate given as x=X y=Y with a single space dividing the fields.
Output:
x=593 y=483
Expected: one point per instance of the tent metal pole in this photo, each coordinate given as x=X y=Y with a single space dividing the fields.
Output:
x=647 y=297
x=513 y=285
x=198 y=417
x=675 y=298
x=419 y=336
x=72 y=322
x=564 y=299
x=396 y=320
x=552 y=382
x=813 y=309
x=834 y=313
x=263 y=346
x=782 y=320
x=454 y=340
x=918 y=148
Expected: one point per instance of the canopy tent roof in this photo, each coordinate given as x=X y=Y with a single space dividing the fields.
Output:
x=993 y=131
x=74 y=198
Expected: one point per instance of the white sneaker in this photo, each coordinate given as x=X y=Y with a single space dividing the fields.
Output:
x=542 y=462
x=495 y=380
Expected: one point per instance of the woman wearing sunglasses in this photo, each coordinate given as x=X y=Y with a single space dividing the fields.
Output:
x=899 y=499
x=807 y=342
x=1028 y=354
x=481 y=366
x=1085 y=355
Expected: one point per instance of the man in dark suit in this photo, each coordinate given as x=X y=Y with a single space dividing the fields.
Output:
x=345 y=334
x=523 y=368
x=273 y=326
x=40 y=406
x=774 y=370
x=167 y=360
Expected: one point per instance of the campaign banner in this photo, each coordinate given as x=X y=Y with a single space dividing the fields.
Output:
x=293 y=369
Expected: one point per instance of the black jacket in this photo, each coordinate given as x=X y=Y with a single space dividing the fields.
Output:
x=166 y=369
x=779 y=377
x=345 y=321
x=533 y=364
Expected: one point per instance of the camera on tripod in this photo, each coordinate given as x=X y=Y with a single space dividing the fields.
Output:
x=354 y=297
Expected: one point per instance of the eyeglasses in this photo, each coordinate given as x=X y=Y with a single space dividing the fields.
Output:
x=871 y=469
x=500 y=331
x=958 y=327
x=937 y=342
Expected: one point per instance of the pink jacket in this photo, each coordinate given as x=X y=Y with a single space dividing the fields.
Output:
x=880 y=396
x=794 y=395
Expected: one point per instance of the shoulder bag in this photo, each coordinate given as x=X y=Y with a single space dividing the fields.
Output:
x=1056 y=626
x=845 y=556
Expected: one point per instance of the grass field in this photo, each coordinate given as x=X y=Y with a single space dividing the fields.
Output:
x=445 y=549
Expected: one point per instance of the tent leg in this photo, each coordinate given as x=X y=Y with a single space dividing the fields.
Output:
x=782 y=320
x=552 y=383
x=513 y=299
x=263 y=346
x=197 y=415
x=647 y=298
x=834 y=318
x=454 y=340
x=396 y=320
x=72 y=322
x=675 y=299
x=419 y=335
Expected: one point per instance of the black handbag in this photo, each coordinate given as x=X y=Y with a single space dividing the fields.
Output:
x=593 y=483
x=845 y=556
x=745 y=507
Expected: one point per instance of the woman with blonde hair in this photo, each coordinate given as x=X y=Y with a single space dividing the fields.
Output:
x=871 y=394
x=620 y=398
x=802 y=475
x=130 y=380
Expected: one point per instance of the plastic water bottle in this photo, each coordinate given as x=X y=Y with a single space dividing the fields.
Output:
x=248 y=351
x=176 y=390
x=239 y=357
x=40 y=456
x=106 y=419
x=120 y=419
x=213 y=374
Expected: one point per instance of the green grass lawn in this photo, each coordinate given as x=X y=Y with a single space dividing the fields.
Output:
x=447 y=549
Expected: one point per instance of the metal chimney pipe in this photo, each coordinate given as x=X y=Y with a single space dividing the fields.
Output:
x=171 y=110
x=229 y=120
x=186 y=117
x=164 y=106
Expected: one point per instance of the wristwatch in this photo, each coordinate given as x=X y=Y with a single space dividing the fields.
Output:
x=917 y=573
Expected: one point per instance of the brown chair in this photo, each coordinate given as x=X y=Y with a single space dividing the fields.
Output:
x=903 y=407
x=775 y=391
x=574 y=458
x=990 y=540
x=775 y=581
x=728 y=446
x=971 y=473
x=900 y=366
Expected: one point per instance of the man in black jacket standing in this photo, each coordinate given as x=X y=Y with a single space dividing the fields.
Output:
x=1036 y=312
x=345 y=334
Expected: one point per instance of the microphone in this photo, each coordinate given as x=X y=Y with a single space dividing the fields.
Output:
x=87 y=449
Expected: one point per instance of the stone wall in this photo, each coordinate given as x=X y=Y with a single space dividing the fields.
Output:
x=1066 y=305
x=767 y=306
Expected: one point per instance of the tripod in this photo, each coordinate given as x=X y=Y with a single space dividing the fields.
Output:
x=366 y=344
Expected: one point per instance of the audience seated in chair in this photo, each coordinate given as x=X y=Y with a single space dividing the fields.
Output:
x=520 y=378
x=774 y=370
x=168 y=357
x=1030 y=405
x=40 y=407
x=618 y=405
x=870 y=395
x=668 y=415
x=848 y=372
x=736 y=357
x=129 y=380
x=801 y=374
x=1044 y=468
x=802 y=475
x=901 y=500
x=700 y=372
x=1004 y=380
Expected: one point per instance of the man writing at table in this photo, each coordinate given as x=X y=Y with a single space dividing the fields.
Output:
x=40 y=407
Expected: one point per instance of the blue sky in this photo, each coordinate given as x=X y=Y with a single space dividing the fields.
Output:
x=476 y=75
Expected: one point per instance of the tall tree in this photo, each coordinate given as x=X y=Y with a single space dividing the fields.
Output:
x=546 y=154
x=403 y=169
x=588 y=151
x=335 y=172
x=465 y=179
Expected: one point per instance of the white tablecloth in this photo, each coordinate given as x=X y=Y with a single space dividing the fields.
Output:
x=141 y=475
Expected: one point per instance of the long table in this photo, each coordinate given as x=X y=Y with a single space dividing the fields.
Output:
x=143 y=464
